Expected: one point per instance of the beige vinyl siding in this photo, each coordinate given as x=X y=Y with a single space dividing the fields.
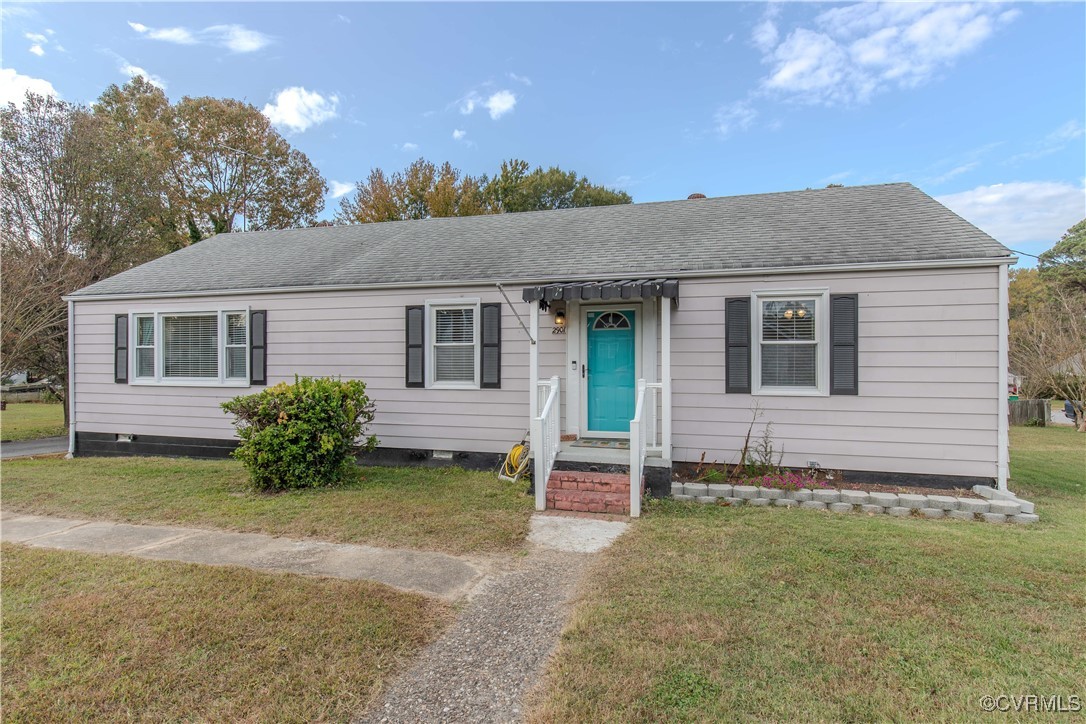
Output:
x=929 y=385
x=352 y=334
x=928 y=400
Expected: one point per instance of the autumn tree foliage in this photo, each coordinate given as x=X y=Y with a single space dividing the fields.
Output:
x=424 y=190
x=1048 y=323
x=75 y=204
x=220 y=162
x=88 y=192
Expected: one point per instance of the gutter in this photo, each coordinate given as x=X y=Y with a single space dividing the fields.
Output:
x=1003 y=440
x=682 y=274
x=70 y=392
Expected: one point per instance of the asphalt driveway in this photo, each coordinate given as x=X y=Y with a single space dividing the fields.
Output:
x=29 y=448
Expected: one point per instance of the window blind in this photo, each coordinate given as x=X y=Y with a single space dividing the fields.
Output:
x=454 y=345
x=191 y=346
x=786 y=365
x=789 y=353
x=145 y=346
x=237 y=346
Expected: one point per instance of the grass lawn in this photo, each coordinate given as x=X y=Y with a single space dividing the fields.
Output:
x=709 y=613
x=111 y=638
x=32 y=420
x=444 y=509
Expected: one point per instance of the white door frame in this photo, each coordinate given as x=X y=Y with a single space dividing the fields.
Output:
x=638 y=308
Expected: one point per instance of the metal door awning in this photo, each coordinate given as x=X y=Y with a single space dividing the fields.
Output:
x=615 y=289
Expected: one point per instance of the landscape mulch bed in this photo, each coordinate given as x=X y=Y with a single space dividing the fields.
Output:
x=690 y=476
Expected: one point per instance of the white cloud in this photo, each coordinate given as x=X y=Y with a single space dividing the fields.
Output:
x=1054 y=142
x=856 y=51
x=339 y=188
x=765 y=33
x=238 y=38
x=233 y=37
x=1022 y=211
x=458 y=135
x=408 y=146
x=14 y=87
x=181 y=36
x=836 y=178
x=132 y=71
x=467 y=103
x=500 y=103
x=521 y=78
x=38 y=42
x=952 y=173
x=296 y=109
x=1067 y=132
x=731 y=117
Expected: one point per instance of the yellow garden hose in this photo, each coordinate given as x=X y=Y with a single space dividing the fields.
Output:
x=516 y=462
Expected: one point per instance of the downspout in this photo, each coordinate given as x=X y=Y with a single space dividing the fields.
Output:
x=1003 y=462
x=70 y=392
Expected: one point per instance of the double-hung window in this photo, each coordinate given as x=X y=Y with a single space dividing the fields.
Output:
x=191 y=347
x=454 y=338
x=790 y=350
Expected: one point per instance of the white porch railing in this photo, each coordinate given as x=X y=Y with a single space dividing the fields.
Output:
x=643 y=439
x=546 y=437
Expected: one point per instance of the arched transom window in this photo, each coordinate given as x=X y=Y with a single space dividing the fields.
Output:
x=612 y=320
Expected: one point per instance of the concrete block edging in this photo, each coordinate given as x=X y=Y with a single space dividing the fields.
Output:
x=999 y=507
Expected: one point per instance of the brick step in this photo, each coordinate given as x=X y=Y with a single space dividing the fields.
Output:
x=588 y=501
x=589 y=481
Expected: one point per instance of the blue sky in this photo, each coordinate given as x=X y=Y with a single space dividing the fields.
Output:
x=980 y=105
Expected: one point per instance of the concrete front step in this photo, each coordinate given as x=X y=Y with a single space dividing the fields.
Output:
x=590 y=482
x=589 y=501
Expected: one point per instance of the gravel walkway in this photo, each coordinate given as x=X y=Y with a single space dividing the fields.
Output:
x=482 y=668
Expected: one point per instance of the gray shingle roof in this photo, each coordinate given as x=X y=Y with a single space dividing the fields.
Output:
x=854 y=225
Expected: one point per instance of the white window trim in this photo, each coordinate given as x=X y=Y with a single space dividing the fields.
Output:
x=432 y=305
x=160 y=380
x=822 y=355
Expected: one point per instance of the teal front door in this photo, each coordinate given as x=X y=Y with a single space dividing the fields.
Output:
x=611 y=370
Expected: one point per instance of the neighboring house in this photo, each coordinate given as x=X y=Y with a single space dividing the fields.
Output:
x=868 y=324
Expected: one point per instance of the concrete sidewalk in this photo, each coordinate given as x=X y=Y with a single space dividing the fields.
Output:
x=28 y=448
x=433 y=574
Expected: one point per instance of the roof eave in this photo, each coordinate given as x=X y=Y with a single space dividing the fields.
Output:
x=684 y=274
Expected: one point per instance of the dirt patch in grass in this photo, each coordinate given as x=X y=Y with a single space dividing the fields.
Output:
x=706 y=613
x=443 y=509
x=90 y=637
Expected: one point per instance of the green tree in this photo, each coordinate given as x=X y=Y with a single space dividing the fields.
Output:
x=74 y=203
x=218 y=161
x=1065 y=263
x=424 y=190
x=236 y=165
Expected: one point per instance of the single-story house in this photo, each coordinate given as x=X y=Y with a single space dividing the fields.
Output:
x=867 y=324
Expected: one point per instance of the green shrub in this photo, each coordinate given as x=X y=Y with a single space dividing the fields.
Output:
x=302 y=435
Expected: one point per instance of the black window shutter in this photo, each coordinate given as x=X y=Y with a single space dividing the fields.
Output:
x=737 y=344
x=844 y=338
x=491 y=363
x=258 y=347
x=415 y=372
x=120 y=348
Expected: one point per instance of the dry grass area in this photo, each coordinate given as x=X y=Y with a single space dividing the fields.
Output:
x=100 y=638
x=705 y=613
x=32 y=420
x=442 y=509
